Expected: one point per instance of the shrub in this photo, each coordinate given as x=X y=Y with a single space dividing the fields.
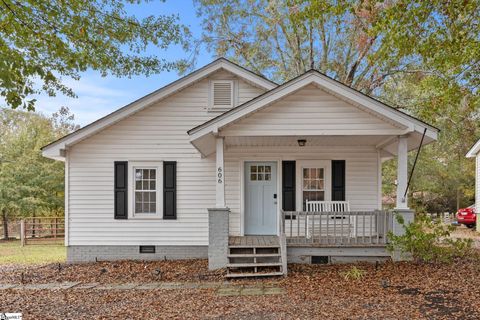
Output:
x=428 y=240
x=353 y=274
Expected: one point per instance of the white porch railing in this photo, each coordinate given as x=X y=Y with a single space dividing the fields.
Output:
x=337 y=228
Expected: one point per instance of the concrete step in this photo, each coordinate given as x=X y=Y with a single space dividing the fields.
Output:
x=254 y=264
x=247 y=275
x=247 y=246
x=253 y=255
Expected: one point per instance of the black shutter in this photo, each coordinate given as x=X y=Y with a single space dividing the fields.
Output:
x=288 y=185
x=170 y=190
x=121 y=189
x=338 y=180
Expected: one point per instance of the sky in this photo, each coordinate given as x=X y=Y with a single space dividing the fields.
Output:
x=99 y=96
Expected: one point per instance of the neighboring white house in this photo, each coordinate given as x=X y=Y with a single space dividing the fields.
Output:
x=475 y=153
x=192 y=169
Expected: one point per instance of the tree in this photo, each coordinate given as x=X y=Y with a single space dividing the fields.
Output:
x=30 y=183
x=43 y=41
x=282 y=39
x=360 y=43
x=444 y=179
x=421 y=57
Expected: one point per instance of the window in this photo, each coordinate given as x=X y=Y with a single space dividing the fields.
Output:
x=221 y=96
x=145 y=189
x=313 y=185
x=260 y=173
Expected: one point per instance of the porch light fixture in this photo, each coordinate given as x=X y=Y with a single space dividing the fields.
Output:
x=301 y=142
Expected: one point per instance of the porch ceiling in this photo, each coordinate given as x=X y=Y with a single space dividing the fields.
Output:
x=292 y=141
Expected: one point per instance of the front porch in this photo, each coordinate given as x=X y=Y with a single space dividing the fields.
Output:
x=323 y=202
x=309 y=140
x=312 y=237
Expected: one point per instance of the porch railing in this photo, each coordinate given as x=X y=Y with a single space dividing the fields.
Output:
x=337 y=228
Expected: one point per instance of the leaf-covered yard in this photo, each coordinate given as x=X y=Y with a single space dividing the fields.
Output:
x=388 y=291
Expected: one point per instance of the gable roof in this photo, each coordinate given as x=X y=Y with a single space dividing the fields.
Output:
x=473 y=152
x=54 y=149
x=327 y=83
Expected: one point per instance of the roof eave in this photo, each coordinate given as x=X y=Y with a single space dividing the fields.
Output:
x=473 y=152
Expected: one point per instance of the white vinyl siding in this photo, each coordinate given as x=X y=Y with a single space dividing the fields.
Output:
x=310 y=111
x=361 y=173
x=157 y=133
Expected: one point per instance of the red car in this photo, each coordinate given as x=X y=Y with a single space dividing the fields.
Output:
x=467 y=216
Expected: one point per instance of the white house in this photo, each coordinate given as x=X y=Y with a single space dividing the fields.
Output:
x=228 y=165
x=474 y=152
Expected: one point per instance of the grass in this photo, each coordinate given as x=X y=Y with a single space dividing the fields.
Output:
x=11 y=252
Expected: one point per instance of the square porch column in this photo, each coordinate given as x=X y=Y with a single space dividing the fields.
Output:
x=402 y=208
x=220 y=175
x=218 y=217
x=402 y=172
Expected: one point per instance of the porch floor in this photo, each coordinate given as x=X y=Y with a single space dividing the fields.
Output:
x=254 y=241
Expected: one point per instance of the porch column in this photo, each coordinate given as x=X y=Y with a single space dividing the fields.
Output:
x=220 y=175
x=218 y=217
x=402 y=208
x=402 y=172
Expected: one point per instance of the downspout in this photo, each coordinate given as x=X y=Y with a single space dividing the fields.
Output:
x=414 y=163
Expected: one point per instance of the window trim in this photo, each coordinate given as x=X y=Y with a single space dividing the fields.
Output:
x=158 y=166
x=211 y=107
x=327 y=170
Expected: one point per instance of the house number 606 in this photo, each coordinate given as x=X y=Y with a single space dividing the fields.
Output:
x=219 y=174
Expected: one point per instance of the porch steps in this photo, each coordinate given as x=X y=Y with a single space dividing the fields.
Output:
x=254 y=274
x=254 y=264
x=246 y=255
x=254 y=256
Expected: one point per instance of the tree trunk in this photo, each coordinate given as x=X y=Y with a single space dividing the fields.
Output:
x=5 y=224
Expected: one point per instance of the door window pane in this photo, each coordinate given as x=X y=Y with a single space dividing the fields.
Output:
x=260 y=173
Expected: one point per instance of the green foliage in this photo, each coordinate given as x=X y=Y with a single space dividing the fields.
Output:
x=428 y=240
x=444 y=178
x=421 y=57
x=354 y=273
x=284 y=38
x=47 y=40
x=29 y=183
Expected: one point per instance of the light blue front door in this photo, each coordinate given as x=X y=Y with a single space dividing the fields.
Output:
x=260 y=198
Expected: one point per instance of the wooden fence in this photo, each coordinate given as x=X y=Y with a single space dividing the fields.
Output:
x=43 y=230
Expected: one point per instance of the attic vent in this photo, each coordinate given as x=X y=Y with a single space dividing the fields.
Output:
x=222 y=94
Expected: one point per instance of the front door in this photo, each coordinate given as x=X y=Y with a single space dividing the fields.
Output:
x=260 y=198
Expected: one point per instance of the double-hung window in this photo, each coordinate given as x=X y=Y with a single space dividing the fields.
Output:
x=146 y=190
x=313 y=184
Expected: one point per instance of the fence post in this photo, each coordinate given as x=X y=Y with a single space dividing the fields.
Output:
x=56 y=226
x=22 y=232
